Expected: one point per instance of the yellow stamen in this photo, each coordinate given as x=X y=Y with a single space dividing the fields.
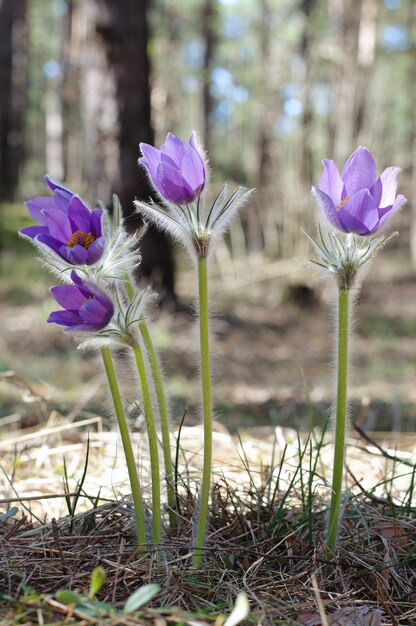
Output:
x=341 y=204
x=81 y=239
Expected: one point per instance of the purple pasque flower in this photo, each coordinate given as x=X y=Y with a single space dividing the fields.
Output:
x=177 y=170
x=87 y=308
x=357 y=201
x=66 y=226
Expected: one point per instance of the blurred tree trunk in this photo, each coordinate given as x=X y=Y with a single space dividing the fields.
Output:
x=209 y=21
x=115 y=90
x=13 y=86
x=307 y=39
x=366 y=53
x=257 y=237
x=167 y=110
x=347 y=15
x=74 y=33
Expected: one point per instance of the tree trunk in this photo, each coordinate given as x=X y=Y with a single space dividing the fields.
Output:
x=209 y=18
x=308 y=7
x=12 y=92
x=115 y=92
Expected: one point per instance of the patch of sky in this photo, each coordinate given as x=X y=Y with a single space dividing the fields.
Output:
x=240 y=94
x=194 y=53
x=291 y=90
x=223 y=80
x=230 y=3
x=283 y=126
x=396 y=38
x=223 y=86
x=222 y=112
x=60 y=7
x=51 y=69
x=190 y=84
x=293 y=107
x=393 y=5
x=234 y=25
x=321 y=99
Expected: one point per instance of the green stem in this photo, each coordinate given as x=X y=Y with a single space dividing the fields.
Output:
x=153 y=444
x=207 y=408
x=163 y=408
x=164 y=419
x=340 y=423
x=128 y=449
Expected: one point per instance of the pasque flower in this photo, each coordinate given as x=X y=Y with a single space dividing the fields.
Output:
x=86 y=307
x=183 y=212
x=66 y=226
x=177 y=170
x=357 y=201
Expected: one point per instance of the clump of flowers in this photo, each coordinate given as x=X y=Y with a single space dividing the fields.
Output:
x=355 y=206
x=94 y=256
x=178 y=173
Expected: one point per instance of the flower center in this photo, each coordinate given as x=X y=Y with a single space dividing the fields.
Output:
x=81 y=239
x=341 y=204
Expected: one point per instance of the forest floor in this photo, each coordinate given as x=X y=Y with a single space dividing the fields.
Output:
x=273 y=381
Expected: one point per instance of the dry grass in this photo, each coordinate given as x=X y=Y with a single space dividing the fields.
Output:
x=265 y=534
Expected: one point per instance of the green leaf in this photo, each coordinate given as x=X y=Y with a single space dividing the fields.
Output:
x=240 y=611
x=69 y=597
x=141 y=596
x=97 y=581
x=10 y=513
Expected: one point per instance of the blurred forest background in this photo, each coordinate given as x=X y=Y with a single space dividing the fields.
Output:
x=272 y=88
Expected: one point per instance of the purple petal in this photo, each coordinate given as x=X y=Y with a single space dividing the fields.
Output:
x=359 y=171
x=96 y=222
x=62 y=199
x=83 y=328
x=172 y=186
x=389 y=183
x=90 y=289
x=95 y=251
x=36 y=206
x=193 y=170
x=53 y=186
x=175 y=148
x=68 y=296
x=331 y=182
x=94 y=312
x=58 y=225
x=79 y=215
x=386 y=212
x=49 y=241
x=75 y=278
x=359 y=215
x=376 y=191
x=328 y=208
x=77 y=255
x=33 y=231
x=150 y=159
x=64 y=318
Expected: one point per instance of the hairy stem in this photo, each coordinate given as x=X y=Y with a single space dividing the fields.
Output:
x=164 y=419
x=207 y=408
x=128 y=449
x=153 y=444
x=340 y=420
x=163 y=407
